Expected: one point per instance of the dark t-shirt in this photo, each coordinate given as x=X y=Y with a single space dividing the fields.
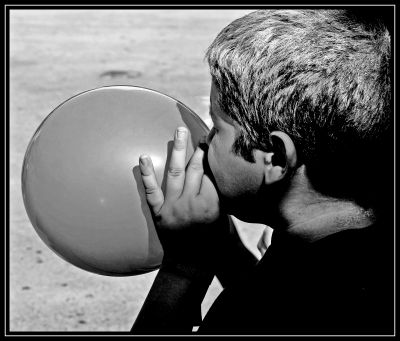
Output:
x=342 y=284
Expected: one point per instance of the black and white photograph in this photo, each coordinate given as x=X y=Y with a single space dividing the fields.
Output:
x=200 y=170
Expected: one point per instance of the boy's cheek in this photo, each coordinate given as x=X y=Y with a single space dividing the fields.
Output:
x=211 y=158
x=216 y=168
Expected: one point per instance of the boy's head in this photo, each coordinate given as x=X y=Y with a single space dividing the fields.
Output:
x=320 y=76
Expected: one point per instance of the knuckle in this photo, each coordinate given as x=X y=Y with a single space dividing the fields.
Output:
x=151 y=190
x=192 y=204
x=179 y=212
x=202 y=208
x=210 y=216
x=196 y=166
x=175 y=171
x=173 y=216
x=209 y=210
x=179 y=145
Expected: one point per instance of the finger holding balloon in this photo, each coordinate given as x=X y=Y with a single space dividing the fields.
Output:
x=200 y=191
x=154 y=194
x=194 y=174
x=176 y=167
x=175 y=176
x=190 y=195
x=190 y=207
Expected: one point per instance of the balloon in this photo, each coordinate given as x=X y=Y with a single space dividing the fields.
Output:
x=81 y=181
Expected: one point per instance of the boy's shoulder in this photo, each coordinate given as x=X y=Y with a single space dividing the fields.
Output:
x=333 y=286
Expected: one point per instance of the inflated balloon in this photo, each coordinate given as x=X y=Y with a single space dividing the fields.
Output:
x=81 y=181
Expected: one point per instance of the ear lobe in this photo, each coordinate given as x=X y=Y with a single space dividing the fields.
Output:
x=282 y=159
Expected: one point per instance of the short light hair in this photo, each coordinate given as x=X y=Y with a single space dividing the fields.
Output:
x=321 y=76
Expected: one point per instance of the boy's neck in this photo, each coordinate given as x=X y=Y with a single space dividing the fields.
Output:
x=312 y=216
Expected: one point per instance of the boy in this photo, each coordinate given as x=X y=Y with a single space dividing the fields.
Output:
x=301 y=106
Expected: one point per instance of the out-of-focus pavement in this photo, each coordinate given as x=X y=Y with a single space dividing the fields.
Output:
x=55 y=54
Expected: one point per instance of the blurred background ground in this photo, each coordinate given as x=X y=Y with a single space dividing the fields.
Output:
x=55 y=54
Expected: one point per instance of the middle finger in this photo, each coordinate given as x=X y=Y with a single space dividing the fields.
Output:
x=176 y=167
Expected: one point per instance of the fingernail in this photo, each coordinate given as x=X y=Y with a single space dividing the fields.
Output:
x=144 y=160
x=180 y=132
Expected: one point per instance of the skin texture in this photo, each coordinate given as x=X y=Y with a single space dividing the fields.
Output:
x=238 y=181
x=250 y=191
x=191 y=228
x=278 y=194
x=190 y=195
x=234 y=176
x=190 y=222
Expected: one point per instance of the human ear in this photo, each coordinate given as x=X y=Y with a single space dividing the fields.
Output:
x=281 y=159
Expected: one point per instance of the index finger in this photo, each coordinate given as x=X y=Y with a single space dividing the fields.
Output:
x=154 y=194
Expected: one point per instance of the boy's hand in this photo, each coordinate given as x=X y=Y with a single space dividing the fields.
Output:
x=188 y=215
